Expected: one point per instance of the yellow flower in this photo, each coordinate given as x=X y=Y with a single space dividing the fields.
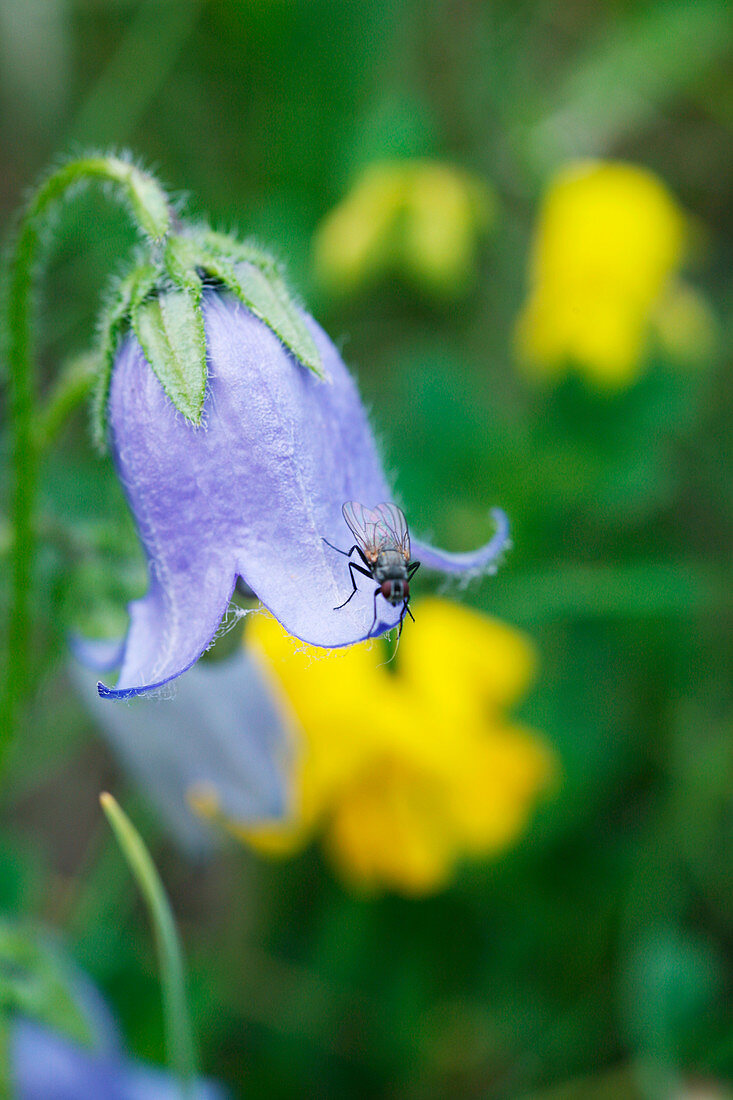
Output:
x=408 y=767
x=609 y=243
x=418 y=218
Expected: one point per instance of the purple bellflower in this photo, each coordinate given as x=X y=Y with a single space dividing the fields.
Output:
x=222 y=731
x=62 y=1041
x=251 y=492
x=46 y=1065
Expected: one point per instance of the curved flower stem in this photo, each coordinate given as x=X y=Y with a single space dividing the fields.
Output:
x=150 y=210
x=179 y=1034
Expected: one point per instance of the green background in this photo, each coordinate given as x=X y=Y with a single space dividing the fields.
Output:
x=595 y=959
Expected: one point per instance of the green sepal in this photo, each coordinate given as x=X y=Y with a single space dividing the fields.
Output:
x=255 y=278
x=234 y=250
x=180 y=262
x=161 y=300
x=125 y=295
x=170 y=328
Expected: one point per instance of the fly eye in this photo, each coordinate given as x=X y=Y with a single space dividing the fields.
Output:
x=387 y=589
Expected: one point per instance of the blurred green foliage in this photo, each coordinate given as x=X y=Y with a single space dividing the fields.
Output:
x=594 y=961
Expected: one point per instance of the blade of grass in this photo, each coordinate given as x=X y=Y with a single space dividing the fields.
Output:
x=626 y=76
x=179 y=1034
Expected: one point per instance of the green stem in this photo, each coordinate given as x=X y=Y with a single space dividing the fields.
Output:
x=179 y=1034
x=150 y=210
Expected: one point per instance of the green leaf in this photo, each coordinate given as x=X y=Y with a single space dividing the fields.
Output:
x=254 y=276
x=265 y=294
x=233 y=250
x=36 y=981
x=170 y=329
x=180 y=260
x=126 y=294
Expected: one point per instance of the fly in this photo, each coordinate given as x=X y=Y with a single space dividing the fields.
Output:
x=383 y=544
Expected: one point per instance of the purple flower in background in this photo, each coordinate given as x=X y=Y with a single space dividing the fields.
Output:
x=222 y=732
x=251 y=493
x=61 y=1040
x=46 y=1065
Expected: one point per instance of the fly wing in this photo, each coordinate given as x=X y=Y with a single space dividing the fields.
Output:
x=392 y=528
x=365 y=526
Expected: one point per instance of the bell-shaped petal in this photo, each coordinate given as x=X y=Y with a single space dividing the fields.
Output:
x=473 y=563
x=253 y=492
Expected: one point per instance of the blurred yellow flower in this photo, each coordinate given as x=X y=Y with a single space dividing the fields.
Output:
x=685 y=327
x=406 y=769
x=418 y=218
x=609 y=244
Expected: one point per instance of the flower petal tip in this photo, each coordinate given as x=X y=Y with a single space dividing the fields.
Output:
x=112 y=693
x=474 y=563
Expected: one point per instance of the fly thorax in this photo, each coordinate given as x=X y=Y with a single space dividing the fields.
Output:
x=390 y=565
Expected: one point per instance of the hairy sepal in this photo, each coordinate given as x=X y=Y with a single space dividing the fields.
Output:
x=254 y=277
x=170 y=328
x=125 y=295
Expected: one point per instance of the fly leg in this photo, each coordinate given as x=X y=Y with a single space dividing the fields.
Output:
x=352 y=565
x=348 y=553
x=411 y=571
x=364 y=572
x=377 y=590
x=405 y=611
